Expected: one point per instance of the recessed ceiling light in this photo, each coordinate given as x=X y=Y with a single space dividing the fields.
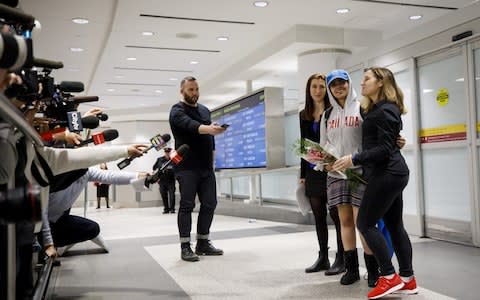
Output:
x=260 y=3
x=80 y=21
x=194 y=62
x=173 y=79
x=343 y=11
x=76 y=49
x=426 y=91
x=131 y=58
x=415 y=17
x=147 y=33
x=222 y=38
x=460 y=79
x=110 y=90
x=158 y=91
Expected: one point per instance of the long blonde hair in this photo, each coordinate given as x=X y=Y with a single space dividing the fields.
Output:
x=389 y=91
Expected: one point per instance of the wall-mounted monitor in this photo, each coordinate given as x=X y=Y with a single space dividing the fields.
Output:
x=254 y=137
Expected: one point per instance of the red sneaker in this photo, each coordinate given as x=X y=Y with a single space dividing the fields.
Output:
x=410 y=288
x=386 y=286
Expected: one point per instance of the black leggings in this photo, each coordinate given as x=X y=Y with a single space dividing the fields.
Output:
x=383 y=199
x=319 y=209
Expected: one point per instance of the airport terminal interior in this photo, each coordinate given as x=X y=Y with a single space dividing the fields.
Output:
x=251 y=60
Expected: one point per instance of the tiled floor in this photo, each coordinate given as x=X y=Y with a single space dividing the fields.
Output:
x=263 y=260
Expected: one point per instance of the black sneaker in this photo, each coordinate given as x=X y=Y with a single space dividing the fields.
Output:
x=188 y=255
x=205 y=247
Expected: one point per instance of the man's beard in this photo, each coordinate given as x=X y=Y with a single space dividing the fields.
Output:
x=190 y=100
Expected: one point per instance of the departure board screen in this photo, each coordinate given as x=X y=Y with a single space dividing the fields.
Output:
x=243 y=143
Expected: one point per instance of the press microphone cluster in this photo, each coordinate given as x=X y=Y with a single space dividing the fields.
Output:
x=176 y=156
x=101 y=137
x=157 y=142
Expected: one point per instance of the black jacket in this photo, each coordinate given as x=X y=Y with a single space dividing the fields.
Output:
x=307 y=132
x=380 y=129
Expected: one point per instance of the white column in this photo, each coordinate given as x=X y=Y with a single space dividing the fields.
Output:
x=248 y=86
x=316 y=61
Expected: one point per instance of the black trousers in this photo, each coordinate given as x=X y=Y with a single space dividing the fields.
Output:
x=191 y=184
x=73 y=229
x=383 y=199
x=167 y=191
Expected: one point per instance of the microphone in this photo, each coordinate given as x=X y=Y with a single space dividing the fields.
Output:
x=71 y=86
x=157 y=142
x=83 y=99
x=47 y=64
x=14 y=15
x=176 y=156
x=89 y=122
x=102 y=116
x=101 y=137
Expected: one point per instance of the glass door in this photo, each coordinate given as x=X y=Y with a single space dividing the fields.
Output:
x=445 y=145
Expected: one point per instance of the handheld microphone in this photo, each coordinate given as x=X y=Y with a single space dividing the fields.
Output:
x=157 y=142
x=89 y=122
x=83 y=99
x=176 y=156
x=102 y=116
x=101 y=137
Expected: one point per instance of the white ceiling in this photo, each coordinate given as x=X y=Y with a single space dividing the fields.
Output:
x=264 y=52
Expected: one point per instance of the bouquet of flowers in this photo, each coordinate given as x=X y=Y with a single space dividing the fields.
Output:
x=320 y=156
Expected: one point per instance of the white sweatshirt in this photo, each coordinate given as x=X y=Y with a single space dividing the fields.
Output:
x=343 y=132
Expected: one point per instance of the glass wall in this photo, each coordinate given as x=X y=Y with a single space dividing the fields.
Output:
x=445 y=155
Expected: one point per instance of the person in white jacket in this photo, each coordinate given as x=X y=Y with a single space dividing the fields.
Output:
x=341 y=134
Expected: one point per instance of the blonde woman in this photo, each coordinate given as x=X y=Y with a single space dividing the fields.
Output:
x=387 y=175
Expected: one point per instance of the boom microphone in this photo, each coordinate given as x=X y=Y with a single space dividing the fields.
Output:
x=12 y=15
x=157 y=142
x=47 y=64
x=83 y=99
x=71 y=86
x=175 y=157
x=101 y=137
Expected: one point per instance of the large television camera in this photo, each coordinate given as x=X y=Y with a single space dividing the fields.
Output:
x=21 y=204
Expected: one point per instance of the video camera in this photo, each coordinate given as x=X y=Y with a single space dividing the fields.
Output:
x=21 y=204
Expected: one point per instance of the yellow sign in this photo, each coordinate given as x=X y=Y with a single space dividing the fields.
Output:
x=442 y=97
x=478 y=127
x=451 y=132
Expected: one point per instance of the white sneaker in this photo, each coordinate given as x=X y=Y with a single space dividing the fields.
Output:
x=100 y=242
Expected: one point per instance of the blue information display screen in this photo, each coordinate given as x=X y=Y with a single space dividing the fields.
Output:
x=243 y=143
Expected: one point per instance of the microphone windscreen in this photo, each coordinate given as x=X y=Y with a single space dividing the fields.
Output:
x=45 y=63
x=83 y=99
x=71 y=86
x=90 y=122
x=166 y=137
x=13 y=14
x=11 y=3
x=102 y=116
x=110 y=134
x=183 y=149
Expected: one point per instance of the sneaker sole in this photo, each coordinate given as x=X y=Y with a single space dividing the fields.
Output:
x=390 y=291
x=406 y=292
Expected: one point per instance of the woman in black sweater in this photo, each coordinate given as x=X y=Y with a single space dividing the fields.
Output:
x=387 y=175
x=316 y=101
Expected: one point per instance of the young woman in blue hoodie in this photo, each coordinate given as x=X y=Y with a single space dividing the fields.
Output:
x=341 y=133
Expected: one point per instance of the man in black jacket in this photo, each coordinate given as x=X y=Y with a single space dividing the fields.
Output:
x=166 y=182
x=191 y=124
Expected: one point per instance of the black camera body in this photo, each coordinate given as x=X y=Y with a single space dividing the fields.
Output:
x=21 y=204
